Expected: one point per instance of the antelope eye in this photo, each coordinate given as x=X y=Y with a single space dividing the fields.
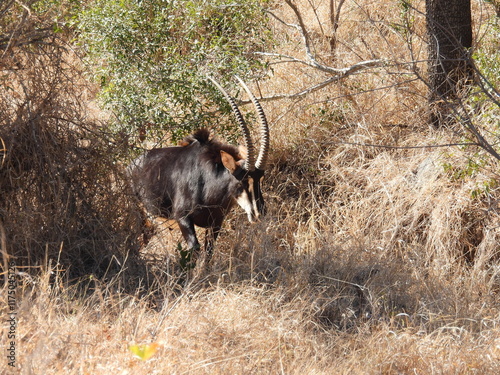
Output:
x=240 y=188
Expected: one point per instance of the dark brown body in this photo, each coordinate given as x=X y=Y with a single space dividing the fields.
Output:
x=199 y=182
x=196 y=184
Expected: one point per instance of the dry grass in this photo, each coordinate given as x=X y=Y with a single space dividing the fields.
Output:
x=304 y=322
x=371 y=260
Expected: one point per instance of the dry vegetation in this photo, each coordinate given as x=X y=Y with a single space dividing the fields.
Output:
x=372 y=260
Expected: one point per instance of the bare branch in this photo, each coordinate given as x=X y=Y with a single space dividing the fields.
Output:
x=295 y=26
x=6 y=7
x=303 y=31
x=27 y=39
x=334 y=21
x=299 y=61
x=315 y=11
x=328 y=69
x=26 y=7
x=340 y=74
x=460 y=144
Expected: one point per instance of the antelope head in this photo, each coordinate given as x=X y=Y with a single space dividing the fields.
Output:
x=250 y=170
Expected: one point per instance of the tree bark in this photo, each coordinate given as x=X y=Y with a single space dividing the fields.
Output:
x=449 y=28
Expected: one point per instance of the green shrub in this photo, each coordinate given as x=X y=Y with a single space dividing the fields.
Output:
x=149 y=57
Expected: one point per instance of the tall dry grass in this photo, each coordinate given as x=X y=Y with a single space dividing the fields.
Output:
x=62 y=194
x=372 y=260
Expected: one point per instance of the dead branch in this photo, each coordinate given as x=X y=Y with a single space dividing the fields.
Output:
x=334 y=21
x=311 y=61
x=340 y=73
x=301 y=27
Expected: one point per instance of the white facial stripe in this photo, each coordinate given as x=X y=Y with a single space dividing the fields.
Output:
x=253 y=199
x=255 y=209
x=244 y=201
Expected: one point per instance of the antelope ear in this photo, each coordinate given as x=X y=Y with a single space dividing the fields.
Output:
x=228 y=161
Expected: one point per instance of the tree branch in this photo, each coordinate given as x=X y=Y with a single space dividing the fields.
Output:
x=328 y=69
x=459 y=144
x=338 y=73
x=36 y=36
x=302 y=29
x=341 y=73
x=6 y=7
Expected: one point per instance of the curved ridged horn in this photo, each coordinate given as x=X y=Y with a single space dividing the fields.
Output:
x=264 y=128
x=250 y=161
x=3 y=150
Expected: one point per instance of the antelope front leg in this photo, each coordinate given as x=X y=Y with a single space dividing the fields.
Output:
x=210 y=238
x=187 y=260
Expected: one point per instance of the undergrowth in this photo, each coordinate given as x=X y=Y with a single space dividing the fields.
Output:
x=379 y=253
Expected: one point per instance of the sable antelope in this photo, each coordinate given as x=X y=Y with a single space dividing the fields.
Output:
x=198 y=182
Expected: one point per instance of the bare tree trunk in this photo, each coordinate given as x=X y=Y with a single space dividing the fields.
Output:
x=334 y=23
x=450 y=38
